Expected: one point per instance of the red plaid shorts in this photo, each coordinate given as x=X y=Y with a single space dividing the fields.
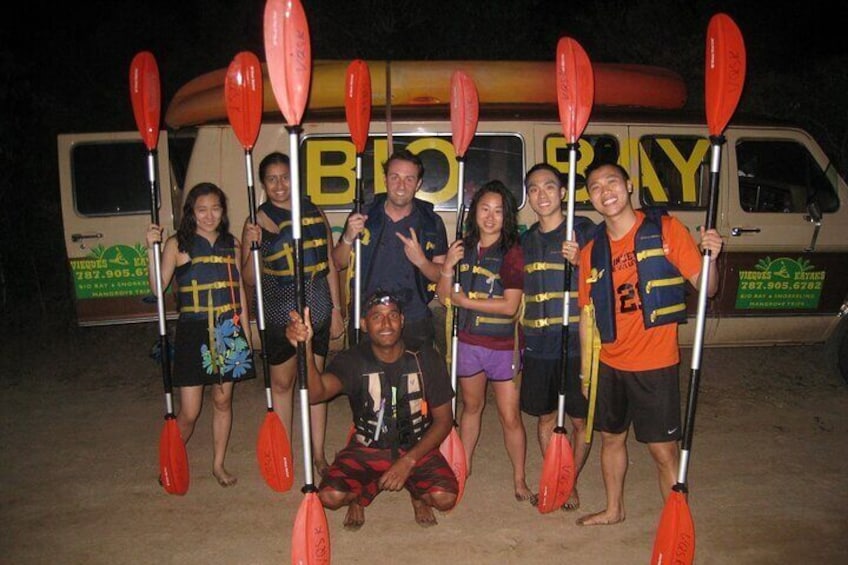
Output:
x=358 y=468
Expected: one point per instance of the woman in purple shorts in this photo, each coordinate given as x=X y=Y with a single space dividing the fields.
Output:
x=491 y=284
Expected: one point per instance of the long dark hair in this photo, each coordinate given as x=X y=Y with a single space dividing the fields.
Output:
x=509 y=231
x=188 y=225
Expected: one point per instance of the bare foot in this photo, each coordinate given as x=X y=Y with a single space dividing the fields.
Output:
x=424 y=515
x=224 y=478
x=573 y=502
x=321 y=467
x=523 y=492
x=355 y=517
x=604 y=518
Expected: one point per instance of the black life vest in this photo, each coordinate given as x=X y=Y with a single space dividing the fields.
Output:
x=544 y=285
x=208 y=286
x=278 y=261
x=661 y=287
x=392 y=415
x=480 y=279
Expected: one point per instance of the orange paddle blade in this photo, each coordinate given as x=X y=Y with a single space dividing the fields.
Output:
x=675 y=541
x=358 y=102
x=273 y=452
x=243 y=97
x=575 y=82
x=454 y=452
x=288 y=52
x=173 y=460
x=311 y=535
x=557 y=480
x=145 y=94
x=464 y=111
x=725 y=71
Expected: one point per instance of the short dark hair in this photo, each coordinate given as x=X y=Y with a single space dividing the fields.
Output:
x=405 y=155
x=597 y=165
x=544 y=167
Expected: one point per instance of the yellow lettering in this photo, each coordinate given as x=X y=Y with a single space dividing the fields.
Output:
x=442 y=145
x=586 y=152
x=650 y=181
x=688 y=168
x=318 y=170
x=381 y=155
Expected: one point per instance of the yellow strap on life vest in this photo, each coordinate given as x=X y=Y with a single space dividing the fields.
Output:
x=646 y=253
x=667 y=310
x=673 y=281
x=530 y=268
x=543 y=296
x=589 y=362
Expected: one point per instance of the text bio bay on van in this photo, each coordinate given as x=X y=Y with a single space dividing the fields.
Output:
x=783 y=272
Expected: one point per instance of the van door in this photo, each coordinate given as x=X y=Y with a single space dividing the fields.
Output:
x=787 y=275
x=105 y=195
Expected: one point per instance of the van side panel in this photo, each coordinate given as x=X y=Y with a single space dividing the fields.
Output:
x=105 y=211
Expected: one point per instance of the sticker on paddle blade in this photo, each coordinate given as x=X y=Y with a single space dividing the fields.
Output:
x=173 y=460
x=273 y=453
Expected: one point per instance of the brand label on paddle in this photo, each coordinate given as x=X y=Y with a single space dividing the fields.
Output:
x=779 y=284
x=108 y=272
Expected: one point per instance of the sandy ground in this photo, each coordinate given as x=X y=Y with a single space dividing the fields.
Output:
x=82 y=411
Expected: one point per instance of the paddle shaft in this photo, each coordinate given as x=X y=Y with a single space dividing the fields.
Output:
x=566 y=297
x=300 y=298
x=165 y=357
x=698 y=344
x=357 y=256
x=460 y=210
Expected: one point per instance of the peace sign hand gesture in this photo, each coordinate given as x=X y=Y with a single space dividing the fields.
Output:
x=412 y=248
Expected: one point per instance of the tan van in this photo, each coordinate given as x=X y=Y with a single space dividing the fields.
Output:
x=783 y=273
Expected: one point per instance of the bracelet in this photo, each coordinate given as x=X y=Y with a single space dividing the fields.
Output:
x=346 y=240
x=446 y=275
x=337 y=307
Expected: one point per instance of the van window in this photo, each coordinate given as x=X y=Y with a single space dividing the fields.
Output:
x=670 y=171
x=110 y=179
x=329 y=164
x=781 y=176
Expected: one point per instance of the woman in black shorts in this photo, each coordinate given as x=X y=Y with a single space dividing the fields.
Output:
x=273 y=232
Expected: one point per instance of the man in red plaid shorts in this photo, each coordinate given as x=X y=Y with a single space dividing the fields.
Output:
x=400 y=400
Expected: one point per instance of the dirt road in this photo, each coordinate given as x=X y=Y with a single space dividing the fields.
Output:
x=81 y=413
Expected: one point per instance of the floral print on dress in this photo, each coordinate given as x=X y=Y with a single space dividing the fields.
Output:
x=228 y=352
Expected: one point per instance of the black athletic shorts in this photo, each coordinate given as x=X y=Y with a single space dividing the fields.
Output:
x=540 y=387
x=650 y=400
x=278 y=350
